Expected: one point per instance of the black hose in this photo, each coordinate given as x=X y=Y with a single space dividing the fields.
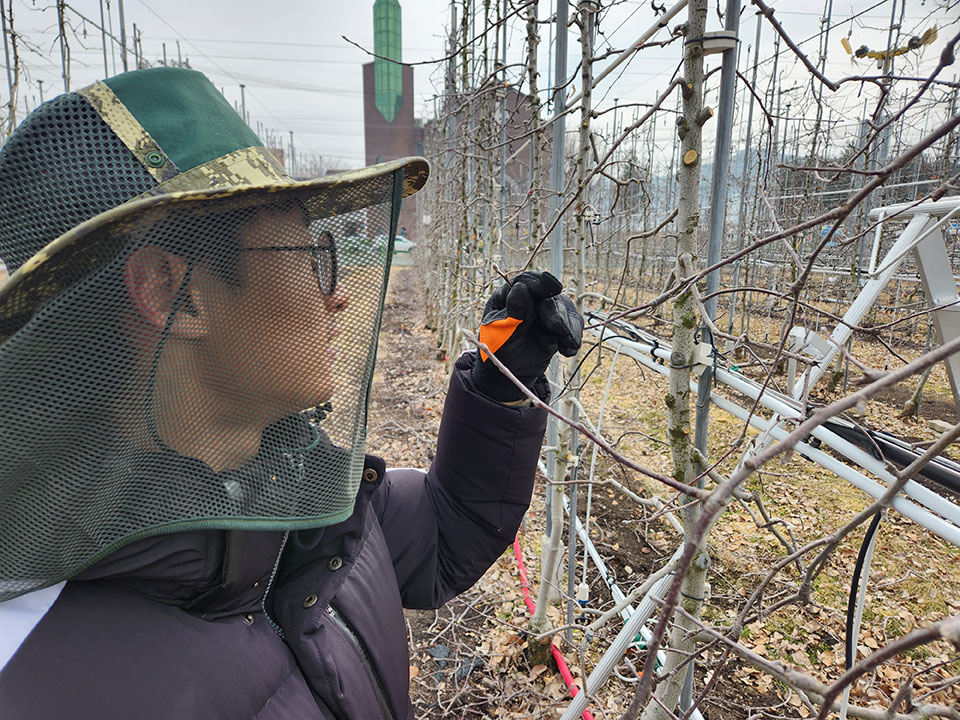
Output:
x=940 y=470
x=851 y=643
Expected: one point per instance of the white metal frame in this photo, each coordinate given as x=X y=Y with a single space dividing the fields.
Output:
x=938 y=514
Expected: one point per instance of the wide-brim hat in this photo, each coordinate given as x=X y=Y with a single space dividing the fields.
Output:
x=138 y=144
x=107 y=433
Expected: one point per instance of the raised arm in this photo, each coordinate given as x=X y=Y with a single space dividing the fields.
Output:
x=446 y=527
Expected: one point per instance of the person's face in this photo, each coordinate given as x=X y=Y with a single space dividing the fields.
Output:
x=270 y=342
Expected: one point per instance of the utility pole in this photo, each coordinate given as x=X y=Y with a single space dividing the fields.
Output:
x=11 y=118
x=62 y=36
x=103 y=40
x=243 y=104
x=123 y=37
x=293 y=158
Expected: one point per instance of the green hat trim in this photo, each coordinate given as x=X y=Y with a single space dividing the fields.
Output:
x=194 y=125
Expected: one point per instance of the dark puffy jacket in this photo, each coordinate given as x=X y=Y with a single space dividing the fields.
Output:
x=298 y=625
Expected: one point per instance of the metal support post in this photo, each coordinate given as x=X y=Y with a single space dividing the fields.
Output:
x=572 y=544
x=718 y=213
x=556 y=235
x=747 y=171
x=293 y=158
x=936 y=277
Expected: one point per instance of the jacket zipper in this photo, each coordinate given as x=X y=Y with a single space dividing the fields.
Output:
x=341 y=622
x=273 y=574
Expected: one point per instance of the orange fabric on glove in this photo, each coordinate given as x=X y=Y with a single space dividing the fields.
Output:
x=525 y=322
x=495 y=334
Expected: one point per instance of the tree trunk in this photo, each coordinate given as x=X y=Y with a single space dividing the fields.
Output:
x=684 y=325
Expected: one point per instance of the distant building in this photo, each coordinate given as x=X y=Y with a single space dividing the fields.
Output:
x=390 y=130
x=400 y=137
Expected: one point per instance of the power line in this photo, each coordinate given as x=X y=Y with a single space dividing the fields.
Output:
x=273 y=83
x=312 y=61
x=216 y=65
x=340 y=46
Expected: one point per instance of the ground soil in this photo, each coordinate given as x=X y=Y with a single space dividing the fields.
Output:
x=469 y=658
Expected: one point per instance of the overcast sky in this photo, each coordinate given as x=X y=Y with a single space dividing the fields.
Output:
x=300 y=74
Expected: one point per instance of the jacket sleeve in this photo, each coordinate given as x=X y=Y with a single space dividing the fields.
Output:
x=446 y=527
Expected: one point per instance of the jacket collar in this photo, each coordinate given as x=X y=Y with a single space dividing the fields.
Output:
x=216 y=572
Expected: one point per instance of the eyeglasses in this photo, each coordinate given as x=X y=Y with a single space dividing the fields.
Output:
x=323 y=257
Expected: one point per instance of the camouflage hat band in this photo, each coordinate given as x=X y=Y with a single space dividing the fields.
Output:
x=158 y=378
x=121 y=145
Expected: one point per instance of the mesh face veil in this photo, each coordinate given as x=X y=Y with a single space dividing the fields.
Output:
x=187 y=358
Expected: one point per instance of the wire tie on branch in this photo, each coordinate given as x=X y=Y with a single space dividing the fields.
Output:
x=715 y=354
x=653 y=351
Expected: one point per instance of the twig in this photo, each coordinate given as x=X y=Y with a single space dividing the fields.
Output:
x=502 y=274
x=717 y=500
x=768 y=14
x=692 y=491
x=948 y=629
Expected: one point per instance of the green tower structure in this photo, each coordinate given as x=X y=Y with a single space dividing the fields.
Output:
x=387 y=72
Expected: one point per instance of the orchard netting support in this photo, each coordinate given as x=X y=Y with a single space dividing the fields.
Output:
x=809 y=300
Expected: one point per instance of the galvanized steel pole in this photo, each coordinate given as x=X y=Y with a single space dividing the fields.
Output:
x=556 y=185
x=718 y=209
x=747 y=171
x=721 y=162
x=718 y=213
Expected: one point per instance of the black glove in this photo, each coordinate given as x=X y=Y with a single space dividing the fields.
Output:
x=525 y=322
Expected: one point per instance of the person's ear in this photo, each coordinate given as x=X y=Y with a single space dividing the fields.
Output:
x=154 y=277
